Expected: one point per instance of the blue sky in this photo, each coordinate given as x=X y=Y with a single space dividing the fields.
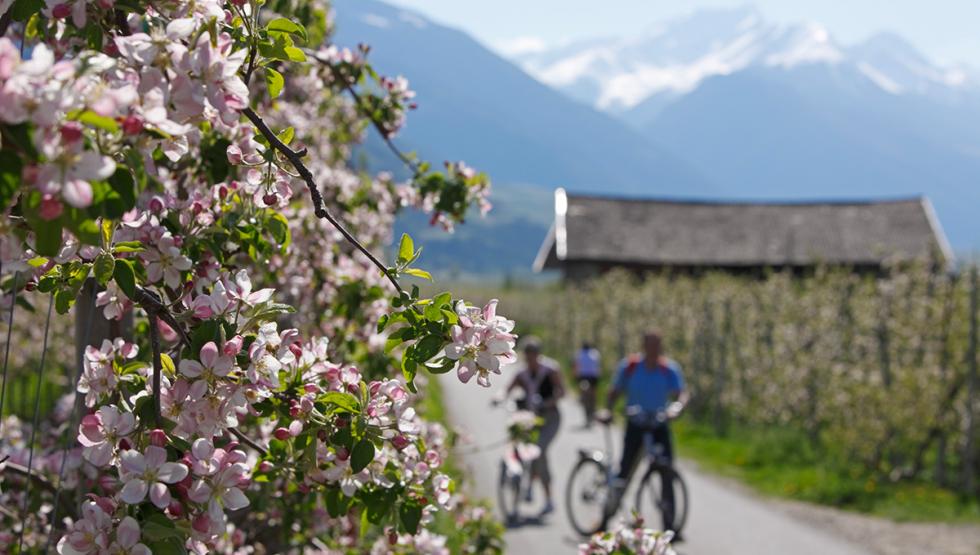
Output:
x=946 y=30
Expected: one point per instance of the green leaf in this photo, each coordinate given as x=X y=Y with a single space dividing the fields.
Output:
x=81 y=223
x=125 y=277
x=419 y=273
x=344 y=401
x=104 y=266
x=169 y=368
x=10 y=171
x=441 y=366
x=286 y=135
x=120 y=249
x=48 y=237
x=279 y=227
x=295 y=54
x=90 y=118
x=410 y=514
x=406 y=248
x=409 y=370
x=157 y=527
x=108 y=228
x=124 y=187
x=63 y=300
x=274 y=81
x=428 y=347
x=283 y=25
x=171 y=546
x=361 y=455
x=22 y=10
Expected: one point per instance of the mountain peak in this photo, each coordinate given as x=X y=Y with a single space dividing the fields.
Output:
x=674 y=57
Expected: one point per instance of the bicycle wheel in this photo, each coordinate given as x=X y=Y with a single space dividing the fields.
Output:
x=585 y=496
x=649 y=497
x=508 y=492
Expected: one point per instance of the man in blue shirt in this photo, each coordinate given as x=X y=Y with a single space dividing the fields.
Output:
x=653 y=386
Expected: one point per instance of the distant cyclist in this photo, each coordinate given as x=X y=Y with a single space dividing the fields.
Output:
x=587 y=371
x=541 y=382
x=653 y=385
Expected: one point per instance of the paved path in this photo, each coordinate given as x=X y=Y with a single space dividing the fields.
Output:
x=724 y=519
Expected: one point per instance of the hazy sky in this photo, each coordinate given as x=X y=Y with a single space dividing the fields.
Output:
x=946 y=30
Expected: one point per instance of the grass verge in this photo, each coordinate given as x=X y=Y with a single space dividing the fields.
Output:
x=782 y=463
x=471 y=527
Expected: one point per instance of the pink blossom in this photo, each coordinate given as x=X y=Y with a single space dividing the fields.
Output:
x=89 y=534
x=128 y=539
x=241 y=290
x=99 y=433
x=481 y=342
x=166 y=262
x=212 y=363
x=113 y=300
x=149 y=472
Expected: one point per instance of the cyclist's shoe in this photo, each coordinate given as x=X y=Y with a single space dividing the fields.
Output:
x=678 y=538
x=548 y=508
x=529 y=495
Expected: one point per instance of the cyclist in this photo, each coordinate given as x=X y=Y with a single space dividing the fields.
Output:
x=541 y=382
x=653 y=385
x=587 y=373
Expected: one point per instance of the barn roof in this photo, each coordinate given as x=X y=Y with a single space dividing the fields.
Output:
x=733 y=234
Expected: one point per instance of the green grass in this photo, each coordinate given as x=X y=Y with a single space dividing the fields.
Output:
x=782 y=463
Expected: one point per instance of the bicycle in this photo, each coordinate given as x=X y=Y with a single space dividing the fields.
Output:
x=514 y=481
x=593 y=481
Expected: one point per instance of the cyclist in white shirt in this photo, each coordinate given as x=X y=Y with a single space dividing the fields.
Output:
x=587 y=371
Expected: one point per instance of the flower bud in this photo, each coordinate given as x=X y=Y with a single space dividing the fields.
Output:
x=266 y=466
x=156 y=204
x=175 y=508
x=281 y=433
x=202 y=523
x=132 y=125
x=343 y=454
x=29 y=174
x=400 y=442
x=61 y=11
x=71 y=132
x=50 y=208
x=158 y=437
x=233 y=346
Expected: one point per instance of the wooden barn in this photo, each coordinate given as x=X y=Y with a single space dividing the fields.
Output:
x=592 y=235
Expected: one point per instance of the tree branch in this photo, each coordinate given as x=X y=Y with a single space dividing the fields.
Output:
x=36 y=478
x=157 y=367
x=5 y=20
x=154 y=306
x=359 y=104
x=319 y=208
x=248 y=441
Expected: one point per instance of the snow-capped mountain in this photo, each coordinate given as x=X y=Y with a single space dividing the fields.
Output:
x=672 y=58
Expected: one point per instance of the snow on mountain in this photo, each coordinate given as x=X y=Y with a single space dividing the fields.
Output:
x=673 y=58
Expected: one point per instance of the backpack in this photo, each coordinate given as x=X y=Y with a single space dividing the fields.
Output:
x=631 y=363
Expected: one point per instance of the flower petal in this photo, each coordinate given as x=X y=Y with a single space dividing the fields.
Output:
x=134 y=491
x=160 y=495
x=172 y=472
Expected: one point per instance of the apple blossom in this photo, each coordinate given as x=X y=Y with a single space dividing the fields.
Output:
x=148 y=472
x=99 y=433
